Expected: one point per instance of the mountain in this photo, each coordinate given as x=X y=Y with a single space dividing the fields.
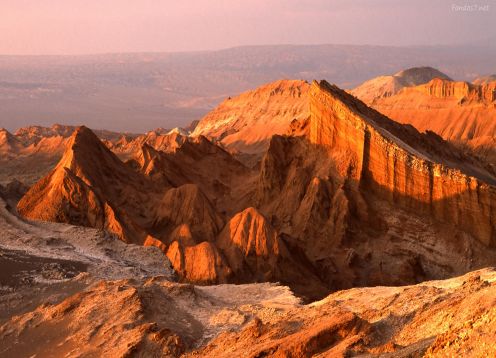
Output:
x=32 y=151
x=247 y=122
x=166 y=200
x=360 y=182
x=461 y=112
x=9 y=144
x=386 y=86
x=88 y=187
x=172 y=89
x=347 y=198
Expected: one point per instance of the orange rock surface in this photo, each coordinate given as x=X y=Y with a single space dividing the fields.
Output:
x=461 y=112
x=316 y=213
x=386 y=86
x=399 y=163
x=246 y=123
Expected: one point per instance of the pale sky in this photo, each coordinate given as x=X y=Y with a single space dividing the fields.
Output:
x=102 y=26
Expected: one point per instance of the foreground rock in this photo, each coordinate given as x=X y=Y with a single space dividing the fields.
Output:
x=456 y=317
x=72 y=292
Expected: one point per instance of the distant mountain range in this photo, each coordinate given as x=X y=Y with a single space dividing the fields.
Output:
x=140 y=91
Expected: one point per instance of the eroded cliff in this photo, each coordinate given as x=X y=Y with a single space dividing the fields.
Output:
x=398 y=163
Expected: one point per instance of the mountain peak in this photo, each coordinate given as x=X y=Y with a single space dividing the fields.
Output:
x=386 y=86
x=247 y=122
x=417 y=75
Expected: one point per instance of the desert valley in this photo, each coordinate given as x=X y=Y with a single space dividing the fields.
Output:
x=296 y=219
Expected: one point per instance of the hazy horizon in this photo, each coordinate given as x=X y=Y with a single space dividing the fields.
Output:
x=57 y=27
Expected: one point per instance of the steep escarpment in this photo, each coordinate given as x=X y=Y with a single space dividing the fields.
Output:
x=398 y=163
x=364 y=196
x=463 y=113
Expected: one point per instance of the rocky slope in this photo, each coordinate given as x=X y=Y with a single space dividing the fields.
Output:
x=461 y=112
x=157 y=200
x=31 y=152
x=75 y=291
x=386 y=86
x=484 y=80
x=247 y=122
x=350 y=198
x=432 y=319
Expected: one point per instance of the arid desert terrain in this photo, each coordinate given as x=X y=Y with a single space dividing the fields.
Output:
x=296 y=219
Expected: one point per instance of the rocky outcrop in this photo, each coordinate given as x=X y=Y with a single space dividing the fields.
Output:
x=9 y=144
x=245 y=123
x=256 y=252
x=90 y=187
x=396 y=164
x=251 y=244
x=460 y=112
x=201 y=263
x=434 y=319
x=463 y=92
x=386 y=86
x=484 y=80
x=186 y=212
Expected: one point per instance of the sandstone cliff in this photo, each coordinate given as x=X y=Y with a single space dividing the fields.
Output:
x=397 y=163
x=358 y=183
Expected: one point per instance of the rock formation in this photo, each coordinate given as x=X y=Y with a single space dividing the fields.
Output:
x=340 y=189
x=8 y=143
x=35 y=150
x=247 y=122
x=403 y=166
x=348 y=198
x=386 y=86
x=484 y=80
x=72 y=291
x=433 y=319
x=461 y=112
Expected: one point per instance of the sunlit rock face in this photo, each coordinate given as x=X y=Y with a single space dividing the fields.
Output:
x=247 y=122
x=461 y=112
x=345 y=198
x=395 y=161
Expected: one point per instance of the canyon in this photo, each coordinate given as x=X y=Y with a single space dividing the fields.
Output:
x=316 y=211
x=293 y=220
